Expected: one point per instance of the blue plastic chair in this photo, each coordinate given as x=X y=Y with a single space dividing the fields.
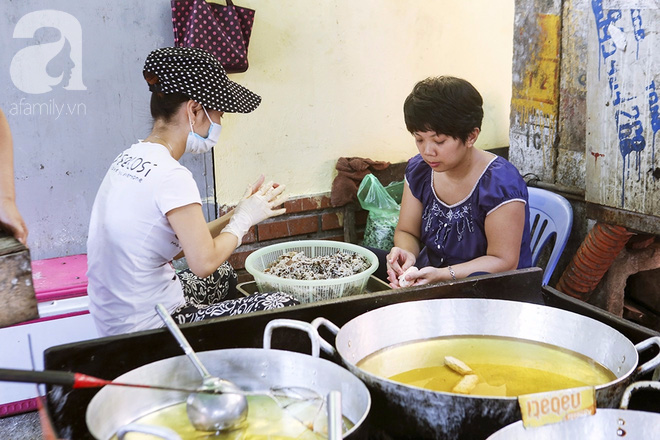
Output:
x=549 y=215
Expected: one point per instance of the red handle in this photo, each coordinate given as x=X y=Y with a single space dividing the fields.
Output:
x=79 y=380
x=75 y=380
x=84 y=381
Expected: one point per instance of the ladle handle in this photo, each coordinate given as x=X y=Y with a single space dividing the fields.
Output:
x=183 y=342
x=53 y=377
x=30 y=376
x=335 y=421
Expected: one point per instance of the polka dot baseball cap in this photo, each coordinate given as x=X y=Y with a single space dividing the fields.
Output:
x=198 y=74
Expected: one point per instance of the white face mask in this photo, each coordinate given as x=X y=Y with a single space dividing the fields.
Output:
x=196 y=144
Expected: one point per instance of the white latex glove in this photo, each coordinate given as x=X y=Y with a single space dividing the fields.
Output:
x=255 y=208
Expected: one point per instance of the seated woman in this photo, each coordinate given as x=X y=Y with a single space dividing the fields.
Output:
x=464 y=210
x=148 y=209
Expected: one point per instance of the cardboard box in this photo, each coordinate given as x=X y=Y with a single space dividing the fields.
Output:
x=18 y=302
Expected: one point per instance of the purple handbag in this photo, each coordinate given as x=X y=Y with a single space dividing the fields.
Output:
x=223 y=31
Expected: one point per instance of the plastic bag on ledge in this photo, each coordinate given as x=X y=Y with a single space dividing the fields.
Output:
x=383 y=204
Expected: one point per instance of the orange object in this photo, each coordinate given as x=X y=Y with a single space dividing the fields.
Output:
x=593 y=259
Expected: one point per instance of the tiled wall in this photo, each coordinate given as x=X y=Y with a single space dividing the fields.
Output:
x=306 y=218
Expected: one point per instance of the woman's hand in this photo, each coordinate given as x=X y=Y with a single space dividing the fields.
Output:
x=11 y=219
x=398 y=261
x=255 y=207
x=428 y=275
x=262 y=203
x=203 y=251
x=407 y=278
x=253 y=188
x=420 y=277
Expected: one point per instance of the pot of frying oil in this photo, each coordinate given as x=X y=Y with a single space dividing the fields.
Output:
x=401 y=352
x=117 y=411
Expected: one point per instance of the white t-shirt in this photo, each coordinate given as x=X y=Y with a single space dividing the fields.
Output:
x=131 y=243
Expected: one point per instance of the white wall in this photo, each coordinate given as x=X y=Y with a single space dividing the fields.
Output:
x=74 y=96
x=333 y=76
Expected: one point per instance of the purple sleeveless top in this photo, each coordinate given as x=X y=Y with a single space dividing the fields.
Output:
x=455 y=234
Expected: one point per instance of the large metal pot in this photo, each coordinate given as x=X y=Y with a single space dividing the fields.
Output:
x=252 y=369
x=406 y=411
x=606 y=424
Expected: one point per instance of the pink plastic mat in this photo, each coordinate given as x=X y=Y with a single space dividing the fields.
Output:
x=54 y=279
x=23 y=406
x=59 y=278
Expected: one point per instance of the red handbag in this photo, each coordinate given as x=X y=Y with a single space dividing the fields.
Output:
x=223 y=31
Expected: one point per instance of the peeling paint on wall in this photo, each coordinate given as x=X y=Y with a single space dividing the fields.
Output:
x=623 y=107
x=572 y=130
x=535 y=96
x=655 y=118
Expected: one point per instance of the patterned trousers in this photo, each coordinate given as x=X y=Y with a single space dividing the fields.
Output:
x=209 y=297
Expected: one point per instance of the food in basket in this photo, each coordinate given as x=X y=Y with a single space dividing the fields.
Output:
x=275 y=269
x=297 y=266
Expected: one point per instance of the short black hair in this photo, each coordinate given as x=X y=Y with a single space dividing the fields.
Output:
x=165 y=105
x=446 y=105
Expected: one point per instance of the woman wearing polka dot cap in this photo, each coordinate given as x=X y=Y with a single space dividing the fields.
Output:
x=148 y=210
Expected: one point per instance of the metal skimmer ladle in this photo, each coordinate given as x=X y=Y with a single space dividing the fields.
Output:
x=209 y=412
x=228 y=408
